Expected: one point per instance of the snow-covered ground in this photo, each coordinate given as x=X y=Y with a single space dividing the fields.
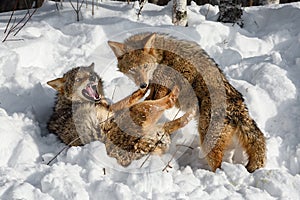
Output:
x=262 y=61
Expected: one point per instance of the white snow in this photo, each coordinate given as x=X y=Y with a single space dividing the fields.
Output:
x=262 y=61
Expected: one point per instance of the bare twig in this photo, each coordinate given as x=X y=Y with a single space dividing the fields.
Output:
x=7 y=25
x=13 y=40
x=113 y=94
x=9 y=31
x=78 y=8
x=148 y=156
x=183 y=145
x=93 y=7
x=112 y=98
x=168 y=165
x=72 y=5
x=17 y=27
x=66 y=147
x=176 y=114
x=56 y=4
x=59 y=4
x=29 y=17
x=80 y=5
x=141 y=3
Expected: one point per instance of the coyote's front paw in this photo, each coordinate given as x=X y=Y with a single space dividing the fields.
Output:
x=174 y=93
x=172 y=97
x=140 y=93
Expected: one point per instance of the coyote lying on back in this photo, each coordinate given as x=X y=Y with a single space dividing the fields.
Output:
x=148 y=57
x=128 y=129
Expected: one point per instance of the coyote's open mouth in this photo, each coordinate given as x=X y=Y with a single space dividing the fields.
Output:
x=90 y=92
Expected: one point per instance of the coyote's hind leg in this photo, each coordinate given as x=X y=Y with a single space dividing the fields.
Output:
x=214 y=149
x=253 y=141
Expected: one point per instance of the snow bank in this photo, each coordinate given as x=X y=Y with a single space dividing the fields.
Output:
x=262 y=61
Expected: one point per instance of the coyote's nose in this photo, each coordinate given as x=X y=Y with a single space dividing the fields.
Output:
x=143 y=85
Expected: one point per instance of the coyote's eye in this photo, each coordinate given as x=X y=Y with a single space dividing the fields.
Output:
x=78 y=79
x=131 y=72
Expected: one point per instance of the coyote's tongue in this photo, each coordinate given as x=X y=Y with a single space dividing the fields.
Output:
x=91 y=92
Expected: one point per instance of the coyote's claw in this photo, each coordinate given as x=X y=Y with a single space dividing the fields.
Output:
x=175 y=91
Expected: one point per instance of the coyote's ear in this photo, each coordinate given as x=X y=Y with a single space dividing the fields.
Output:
x=92 y=66
x=149 y=43
x=57 y=84
x=117 y=48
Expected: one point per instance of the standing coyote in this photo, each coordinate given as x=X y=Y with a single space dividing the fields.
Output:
x=153 y=59
x=128 y=129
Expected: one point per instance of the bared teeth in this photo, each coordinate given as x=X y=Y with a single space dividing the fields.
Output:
x=94 y=87
x=91 y=91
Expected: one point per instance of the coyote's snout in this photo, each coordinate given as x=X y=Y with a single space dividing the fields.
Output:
x=141 y=75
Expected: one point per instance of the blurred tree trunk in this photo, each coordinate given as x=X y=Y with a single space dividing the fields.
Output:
x=10 y=5
x=179 y=15
x=230 y=11
x=267 y=2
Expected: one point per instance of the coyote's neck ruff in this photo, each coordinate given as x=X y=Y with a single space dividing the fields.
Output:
x=128 y=129
x=157 y=59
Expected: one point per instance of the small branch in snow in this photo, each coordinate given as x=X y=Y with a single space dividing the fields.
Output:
x=78 y=8
x=61 y=4
x=29 y=17
x=168 y=165
x=17 y=27
x=141 y=4
x=113 y=94
x=93 y=7
x=12 y=13
x=66 y=147
x=13 y=40
x=112 y=98
x=183 y=145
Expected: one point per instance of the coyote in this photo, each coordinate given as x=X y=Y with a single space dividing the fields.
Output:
x=128 y=129
x=151 y=60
